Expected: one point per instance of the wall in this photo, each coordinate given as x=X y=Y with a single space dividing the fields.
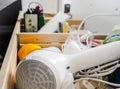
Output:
x=49 y=6
x=83 y=8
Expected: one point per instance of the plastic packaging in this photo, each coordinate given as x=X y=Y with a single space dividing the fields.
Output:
x=114 y=35
x=75 y=44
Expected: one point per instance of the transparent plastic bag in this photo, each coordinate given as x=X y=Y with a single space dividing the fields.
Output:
x=76 y=43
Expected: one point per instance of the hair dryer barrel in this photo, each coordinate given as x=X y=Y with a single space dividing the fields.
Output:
x=94 y=56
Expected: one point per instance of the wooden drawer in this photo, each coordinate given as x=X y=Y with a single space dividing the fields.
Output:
x=7 y=72
x=8 y=67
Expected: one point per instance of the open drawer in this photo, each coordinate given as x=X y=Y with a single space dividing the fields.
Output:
x=7 y=72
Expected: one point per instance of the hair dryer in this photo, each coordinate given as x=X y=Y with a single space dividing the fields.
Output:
x=47 y=68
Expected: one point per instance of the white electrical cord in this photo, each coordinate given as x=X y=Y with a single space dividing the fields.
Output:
x=106 y=65
x=88 y=17
x=97 y=14
x=97 y=74
x=111 y=68
x=98 y=80
x=102 y=67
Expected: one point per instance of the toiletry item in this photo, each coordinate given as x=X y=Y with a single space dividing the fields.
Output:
x=114 y=35
x=65 y=27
